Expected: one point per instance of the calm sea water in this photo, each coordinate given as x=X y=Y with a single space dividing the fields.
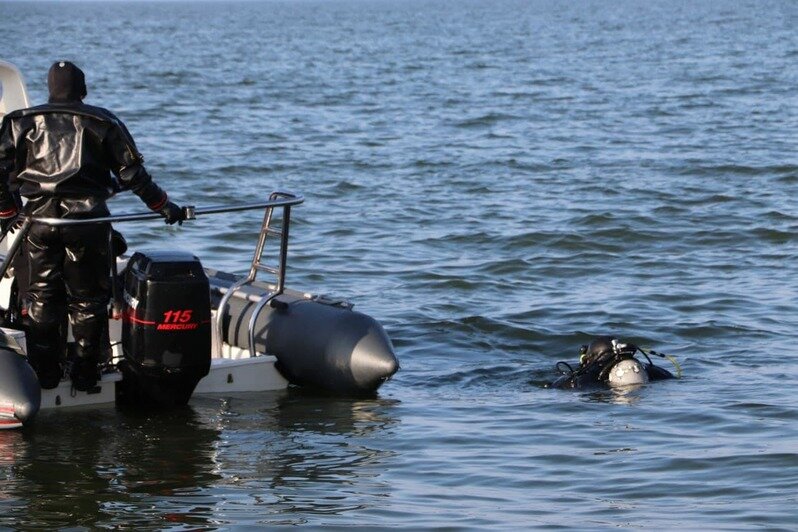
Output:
x=496 y=182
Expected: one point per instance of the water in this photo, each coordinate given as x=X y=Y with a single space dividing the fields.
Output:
x=496 y=182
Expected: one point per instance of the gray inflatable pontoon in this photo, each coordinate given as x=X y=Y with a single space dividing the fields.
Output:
x=317 y=342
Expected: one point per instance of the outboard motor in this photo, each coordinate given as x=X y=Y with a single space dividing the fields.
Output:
x=166 y=331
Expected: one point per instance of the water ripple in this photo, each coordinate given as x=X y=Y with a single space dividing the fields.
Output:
x=497 y=182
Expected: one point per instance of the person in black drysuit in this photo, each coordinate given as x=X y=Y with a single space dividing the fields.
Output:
x=67 y=158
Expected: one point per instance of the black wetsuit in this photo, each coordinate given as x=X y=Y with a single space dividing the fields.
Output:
x=67 y=159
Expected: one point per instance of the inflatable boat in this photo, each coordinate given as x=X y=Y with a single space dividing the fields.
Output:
x=178 y=328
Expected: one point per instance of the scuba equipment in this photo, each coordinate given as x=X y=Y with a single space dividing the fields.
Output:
x=608 y=361
x=627 y=372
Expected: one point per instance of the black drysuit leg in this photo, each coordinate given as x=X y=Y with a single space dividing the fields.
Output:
x=67 y=264
x=45 y=303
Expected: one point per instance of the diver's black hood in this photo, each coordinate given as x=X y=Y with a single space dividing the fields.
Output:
x=599 y=346
x=66 y=83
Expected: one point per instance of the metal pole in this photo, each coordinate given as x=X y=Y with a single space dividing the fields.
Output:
x=12 y=251
x=141 y=216
x=115 y=297
x=284 y=248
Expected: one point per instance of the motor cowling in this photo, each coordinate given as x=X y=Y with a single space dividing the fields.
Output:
x=166 y=330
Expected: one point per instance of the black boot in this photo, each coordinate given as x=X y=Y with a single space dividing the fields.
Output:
x=44 y=352
x=50 y=376
x=47 y=369
x=84 y=374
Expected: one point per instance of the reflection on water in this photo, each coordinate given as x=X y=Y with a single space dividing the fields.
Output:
x=289 y=454
x=308 y=411
x=297 y=454
x=84 y=465
x=619 y=395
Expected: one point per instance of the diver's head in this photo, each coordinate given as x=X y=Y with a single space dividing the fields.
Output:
x=66 y=83
x=597 y=348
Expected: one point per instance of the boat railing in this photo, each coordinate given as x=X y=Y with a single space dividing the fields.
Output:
x=283 y=200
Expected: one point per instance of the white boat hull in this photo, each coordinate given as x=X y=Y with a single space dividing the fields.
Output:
x=256 y=374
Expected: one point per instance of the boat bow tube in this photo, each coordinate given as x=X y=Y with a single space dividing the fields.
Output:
x=319 y=343
x=20 y=394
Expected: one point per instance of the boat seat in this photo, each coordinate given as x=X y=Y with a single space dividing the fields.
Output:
x=13 y=94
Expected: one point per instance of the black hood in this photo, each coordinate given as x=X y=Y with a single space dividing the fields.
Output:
x=66 y=83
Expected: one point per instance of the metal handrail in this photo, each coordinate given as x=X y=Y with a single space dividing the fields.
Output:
x=255 y=267
x=288 y=200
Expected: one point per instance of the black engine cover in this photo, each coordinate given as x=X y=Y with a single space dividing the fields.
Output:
x=166 y=331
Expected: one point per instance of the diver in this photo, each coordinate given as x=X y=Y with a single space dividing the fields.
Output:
x=607 y=361
x=67 y=158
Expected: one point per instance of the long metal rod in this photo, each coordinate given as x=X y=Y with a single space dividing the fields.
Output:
x=140 y=216
x=15 y=245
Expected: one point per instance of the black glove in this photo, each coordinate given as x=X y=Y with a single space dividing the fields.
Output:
x=172 y=212
x=12 y=222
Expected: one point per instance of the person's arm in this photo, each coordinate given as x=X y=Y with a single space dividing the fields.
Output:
x=127 y=164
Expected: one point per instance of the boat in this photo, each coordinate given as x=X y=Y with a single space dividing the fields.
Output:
x=178 y=328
